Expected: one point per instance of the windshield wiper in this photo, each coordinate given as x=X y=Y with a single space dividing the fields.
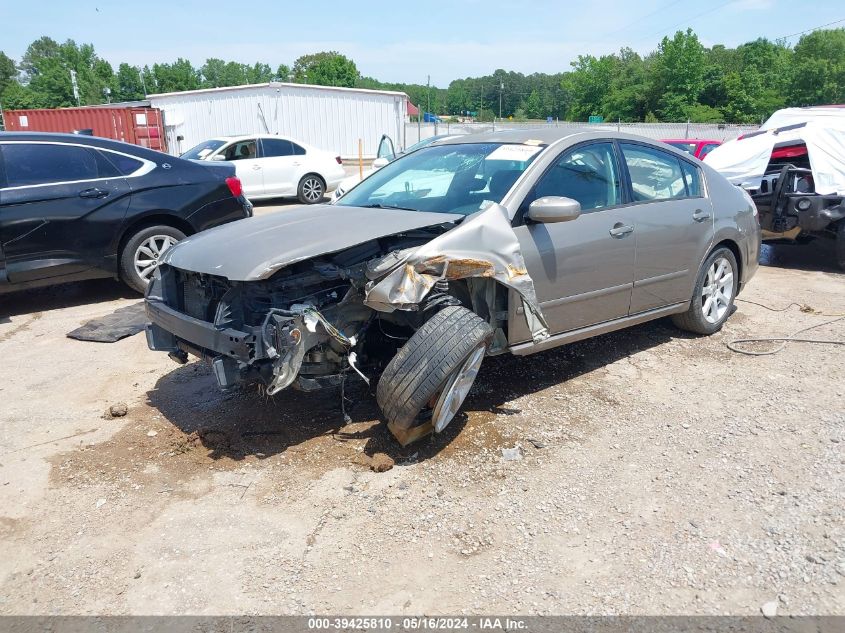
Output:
x=376 y=205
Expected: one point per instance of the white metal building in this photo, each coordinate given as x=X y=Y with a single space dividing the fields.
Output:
x=323 y=116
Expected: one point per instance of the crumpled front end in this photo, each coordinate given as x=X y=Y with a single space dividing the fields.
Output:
x=483 y=247
x=315 y=321
x=298 y=328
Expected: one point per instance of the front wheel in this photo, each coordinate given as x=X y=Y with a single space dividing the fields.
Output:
x=311 y=189
x=425 y=384
x=713 y=297
x=142 y=251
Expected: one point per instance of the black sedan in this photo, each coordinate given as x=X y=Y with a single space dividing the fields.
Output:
x=74 y=208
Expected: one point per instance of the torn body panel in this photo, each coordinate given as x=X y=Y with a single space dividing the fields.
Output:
x=483 y=246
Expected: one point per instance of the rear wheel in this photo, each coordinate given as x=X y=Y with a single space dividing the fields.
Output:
x=141 y=253
x=425 y=384
x=713 y=297
x=311 y=189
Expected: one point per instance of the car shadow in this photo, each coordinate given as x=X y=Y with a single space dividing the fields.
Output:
x=63 y=296
x=818 y=255
x=245 y=423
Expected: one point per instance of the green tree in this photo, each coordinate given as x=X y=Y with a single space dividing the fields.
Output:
x=328 y=68
x=678 y=75
x=8 y=72
x=818 y=70
x=129 y=85
x=175 y=77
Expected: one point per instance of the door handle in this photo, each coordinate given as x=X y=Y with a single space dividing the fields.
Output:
x=296 y=164
x=621 y=230
x=256 y=167
x=93 y=193
x=699 y=215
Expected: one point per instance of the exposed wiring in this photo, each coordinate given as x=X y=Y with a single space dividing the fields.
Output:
x=784 y=340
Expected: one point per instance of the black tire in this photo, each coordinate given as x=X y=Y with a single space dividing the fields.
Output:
x=840 y=244
x=128 y=273
x=422 y=367
x=693 y=320
x=311 y=189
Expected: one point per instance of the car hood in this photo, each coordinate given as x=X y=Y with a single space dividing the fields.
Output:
x=255 y=248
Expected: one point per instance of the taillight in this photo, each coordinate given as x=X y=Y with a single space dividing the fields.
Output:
x=339 y=160
x=235 y=186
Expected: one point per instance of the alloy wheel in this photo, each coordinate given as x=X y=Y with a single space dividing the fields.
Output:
x=149 y=252
x=717 y=292
x=312 y=189
x=456 y=389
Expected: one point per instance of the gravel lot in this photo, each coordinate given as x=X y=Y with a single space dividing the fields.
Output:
x=655 y=473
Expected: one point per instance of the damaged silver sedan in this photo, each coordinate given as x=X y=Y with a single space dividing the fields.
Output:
x=505 y=242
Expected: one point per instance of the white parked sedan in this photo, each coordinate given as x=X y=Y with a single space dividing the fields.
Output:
x=274 y=166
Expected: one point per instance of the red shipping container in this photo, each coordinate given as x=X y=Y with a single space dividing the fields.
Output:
x=140 y=126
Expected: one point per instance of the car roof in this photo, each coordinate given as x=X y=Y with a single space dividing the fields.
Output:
x=548 y=136
x=84 y=139
x=249 y=137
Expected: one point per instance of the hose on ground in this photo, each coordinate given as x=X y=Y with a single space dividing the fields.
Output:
x=784 y=340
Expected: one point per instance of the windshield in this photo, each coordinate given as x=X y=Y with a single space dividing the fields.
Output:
x=202 y=151
x=461 y=178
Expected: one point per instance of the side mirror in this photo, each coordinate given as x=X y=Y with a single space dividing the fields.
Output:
x=218 y=157
x=378 y=163
x=554 y=209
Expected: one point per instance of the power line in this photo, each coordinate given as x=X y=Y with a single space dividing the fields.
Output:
x=647 y=15
x=687 y=20
x=821 y=26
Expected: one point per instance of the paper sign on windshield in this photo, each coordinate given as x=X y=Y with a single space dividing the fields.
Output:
x=513 y=152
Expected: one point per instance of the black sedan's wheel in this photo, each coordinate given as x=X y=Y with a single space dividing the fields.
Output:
x=713 y=297
x=311 y=189
x=433 y=373
x=142 y=251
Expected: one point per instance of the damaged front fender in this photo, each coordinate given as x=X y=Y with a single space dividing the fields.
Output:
x=483 y=246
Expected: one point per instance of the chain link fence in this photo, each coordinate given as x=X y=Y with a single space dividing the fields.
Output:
x=415 y=132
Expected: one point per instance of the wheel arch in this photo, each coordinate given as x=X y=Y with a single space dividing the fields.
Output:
x=732 y=246
x=152 y=219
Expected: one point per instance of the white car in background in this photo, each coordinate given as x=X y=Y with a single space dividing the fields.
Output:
x=275 y=167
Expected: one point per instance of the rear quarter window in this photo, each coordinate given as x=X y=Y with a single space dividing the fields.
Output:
x=125 y=165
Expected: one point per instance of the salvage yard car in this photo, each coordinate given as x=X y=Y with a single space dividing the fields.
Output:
x=76 y=207
x=794 y=170
x=510 y=242
x=275 y=167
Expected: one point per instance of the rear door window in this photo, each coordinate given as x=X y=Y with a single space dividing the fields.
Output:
x=655 y=174
x=276 y=147
x=45 y=163
x=692 y=177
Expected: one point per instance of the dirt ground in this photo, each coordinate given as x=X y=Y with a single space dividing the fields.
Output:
x=655 y=472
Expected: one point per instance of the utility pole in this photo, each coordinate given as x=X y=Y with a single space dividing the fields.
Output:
x=143 y=83
x=501 y=88
x=480 y=102
x=428 y=94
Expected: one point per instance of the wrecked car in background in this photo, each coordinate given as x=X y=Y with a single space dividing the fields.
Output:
x=794 y=169
x=503 y=242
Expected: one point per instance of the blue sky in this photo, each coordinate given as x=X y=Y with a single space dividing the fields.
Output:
x=399 y=41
